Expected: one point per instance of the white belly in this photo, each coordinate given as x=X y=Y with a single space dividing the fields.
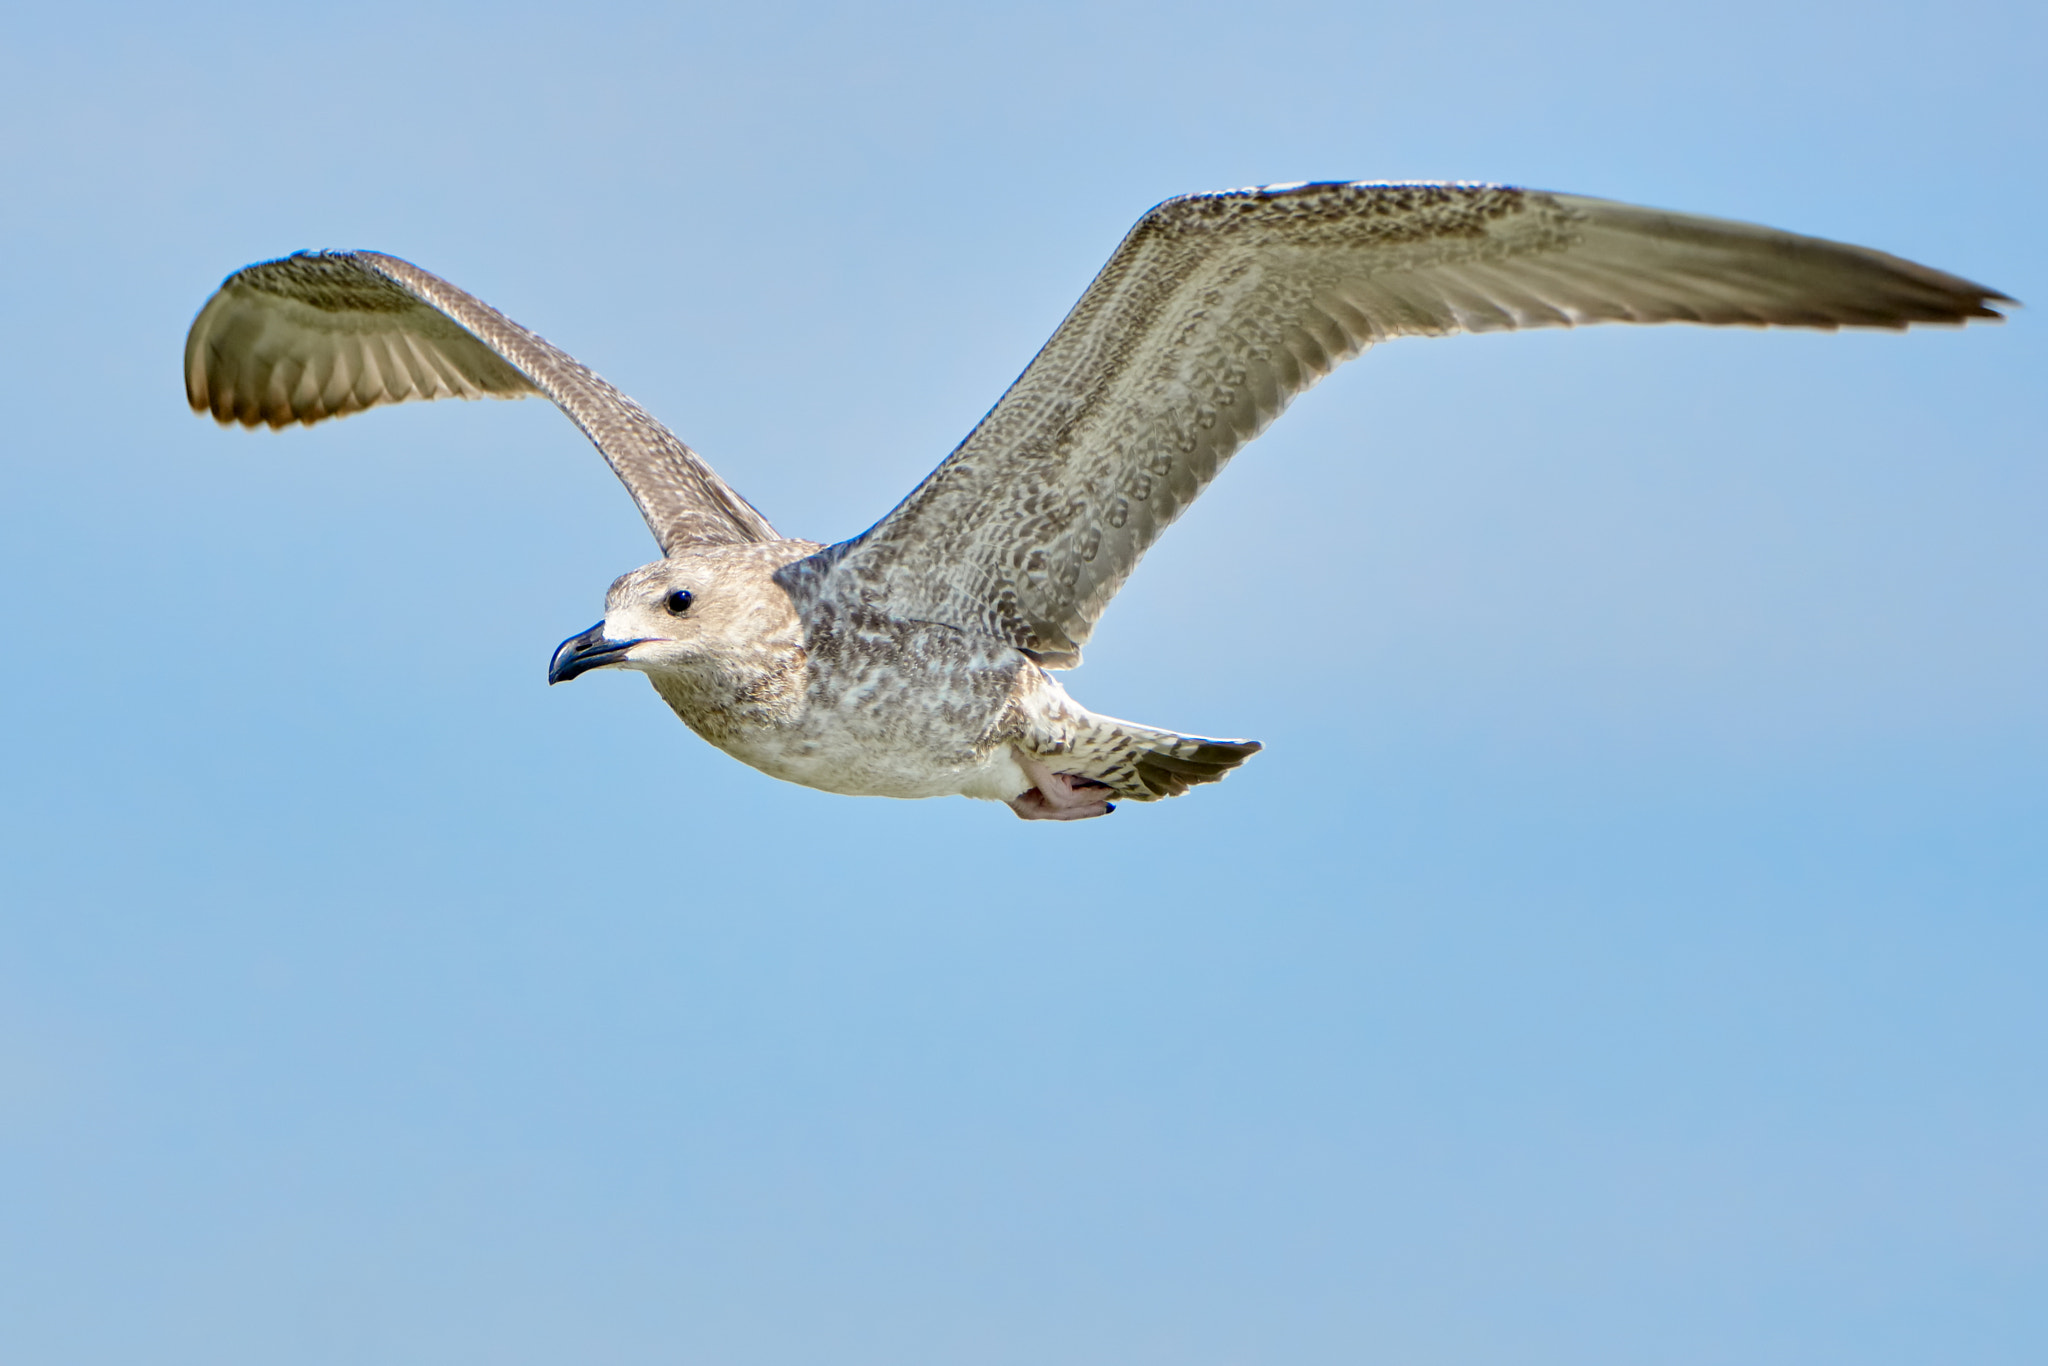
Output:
x=917 y=710
x=848 y=766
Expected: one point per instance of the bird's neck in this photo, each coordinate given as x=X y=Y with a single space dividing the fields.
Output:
x=728 y=696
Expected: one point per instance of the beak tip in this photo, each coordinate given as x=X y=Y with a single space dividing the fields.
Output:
x=579 y=654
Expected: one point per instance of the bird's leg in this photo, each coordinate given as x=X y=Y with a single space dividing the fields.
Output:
x=1057 y=796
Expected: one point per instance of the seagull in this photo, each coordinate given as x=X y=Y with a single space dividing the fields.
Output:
x=917 y=659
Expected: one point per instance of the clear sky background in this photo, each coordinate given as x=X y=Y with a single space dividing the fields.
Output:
x=1628 y=950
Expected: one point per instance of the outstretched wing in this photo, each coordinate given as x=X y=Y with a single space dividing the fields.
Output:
x=1218 y=309
x=326 y=334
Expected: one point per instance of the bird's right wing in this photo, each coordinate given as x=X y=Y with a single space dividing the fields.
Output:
x=326 y=334
x=1218 y=309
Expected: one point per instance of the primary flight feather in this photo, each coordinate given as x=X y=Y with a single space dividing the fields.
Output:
x=911 y=661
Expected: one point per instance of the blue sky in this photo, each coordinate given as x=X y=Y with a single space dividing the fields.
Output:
x=1627 y=950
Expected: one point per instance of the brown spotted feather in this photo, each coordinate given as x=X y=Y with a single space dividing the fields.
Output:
x=326 y=334
x=1219 y=309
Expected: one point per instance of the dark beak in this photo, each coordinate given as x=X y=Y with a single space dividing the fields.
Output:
x=581 y=654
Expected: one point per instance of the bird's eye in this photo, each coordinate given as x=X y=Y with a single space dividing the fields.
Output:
x=679 y=601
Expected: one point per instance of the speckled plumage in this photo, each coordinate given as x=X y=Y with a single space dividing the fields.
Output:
x=911 y=661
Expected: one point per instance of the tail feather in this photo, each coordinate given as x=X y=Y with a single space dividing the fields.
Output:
x=1170 y=771
x=1142 y=763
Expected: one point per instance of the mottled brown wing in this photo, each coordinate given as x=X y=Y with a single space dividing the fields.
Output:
x=326 y=334
x=1218 y=309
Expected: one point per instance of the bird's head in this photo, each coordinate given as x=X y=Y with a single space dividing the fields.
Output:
x=680 y=615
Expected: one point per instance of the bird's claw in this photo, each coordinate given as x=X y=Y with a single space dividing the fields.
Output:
x=1058 y=796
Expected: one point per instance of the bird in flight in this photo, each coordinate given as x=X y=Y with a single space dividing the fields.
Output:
x=916 y=659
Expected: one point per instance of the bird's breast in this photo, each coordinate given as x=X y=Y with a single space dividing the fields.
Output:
x=892 y=709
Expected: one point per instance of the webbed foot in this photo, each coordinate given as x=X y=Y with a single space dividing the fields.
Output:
x=1058 y=796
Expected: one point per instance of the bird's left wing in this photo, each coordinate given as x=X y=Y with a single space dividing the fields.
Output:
x=326 y=334
x=1219 y=309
